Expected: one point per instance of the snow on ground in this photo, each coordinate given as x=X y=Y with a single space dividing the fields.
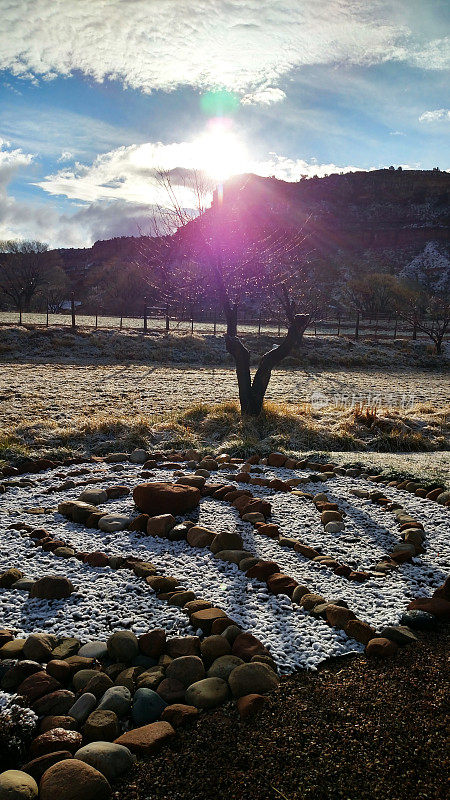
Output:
x=108 y=600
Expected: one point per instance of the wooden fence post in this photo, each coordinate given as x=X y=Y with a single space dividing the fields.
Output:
x=339 y=326
x=192 y=324
x=120 y=323
x=167 y=319
x=357 y=326
x=395 y=327
x=72 y=308
x=145 y=315
x=279 y=325
x=46 y=322
x=215 y=322
x=259 y=324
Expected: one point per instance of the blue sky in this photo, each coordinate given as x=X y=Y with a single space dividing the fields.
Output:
x=96 y=95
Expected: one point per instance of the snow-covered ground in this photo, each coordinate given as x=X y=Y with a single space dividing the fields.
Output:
x=107 y=600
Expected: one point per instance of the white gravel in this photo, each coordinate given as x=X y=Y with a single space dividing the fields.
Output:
x=108 y=600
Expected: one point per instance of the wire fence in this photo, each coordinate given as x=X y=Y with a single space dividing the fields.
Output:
x=210 y=322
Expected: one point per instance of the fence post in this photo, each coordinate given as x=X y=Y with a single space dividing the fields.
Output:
x=395 y=327
x=339 y=326
x=46 y=322
x=120 y=323
x=167 y=319
x=192 y=324
x=72 y=308
x=215 y=322
x=376 y=327
x=259 y=324
x=414 y=334
x=20 y=315
x=96 y=321
x=145 y=315
x=279 y=325
x=357 y=326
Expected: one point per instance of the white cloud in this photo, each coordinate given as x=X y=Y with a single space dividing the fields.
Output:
x=242 y=46
x=438 y=115
x=264 y=97
x=66 y=155
x=396 y=133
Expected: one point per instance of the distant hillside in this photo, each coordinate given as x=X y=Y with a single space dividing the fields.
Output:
x=389 y=215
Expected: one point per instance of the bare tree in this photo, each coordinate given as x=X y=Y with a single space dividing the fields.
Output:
x=25 y=271
x=230 y=257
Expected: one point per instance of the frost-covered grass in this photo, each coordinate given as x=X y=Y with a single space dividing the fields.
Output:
x=103 y=345
x=106 y=600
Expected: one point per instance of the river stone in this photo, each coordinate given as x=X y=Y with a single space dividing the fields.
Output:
x=186 y=670
x=228 y=540
x=117 y=699
x=419 y=620
x=93 y=496
x=223 y=666
x=95 y=649
x=52 y=587
x=55 y=703
x=147 y=739
x=38 y=647
x=213 y=647
x=147 y=707
x=73 y=780
x=25 y=584
x=165 y=498
x=17 y=785
x=67 y=646
x=82 y=678
x=101 y=726
x=112 y=760
x=254 y=678
x=123 y=646
x=55 y=739
x=83 y=707
x=207 y=693
x=113 y=522
x=399 y=634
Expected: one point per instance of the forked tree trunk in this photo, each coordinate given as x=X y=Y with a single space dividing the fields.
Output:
x=252 y=392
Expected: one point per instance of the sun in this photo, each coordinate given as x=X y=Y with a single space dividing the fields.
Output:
x=220 y=152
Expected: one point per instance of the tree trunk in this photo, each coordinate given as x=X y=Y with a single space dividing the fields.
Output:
x=252 y=393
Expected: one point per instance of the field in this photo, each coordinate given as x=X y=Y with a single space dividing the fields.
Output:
x=318 y=550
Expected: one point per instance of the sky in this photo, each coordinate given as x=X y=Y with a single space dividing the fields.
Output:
x=97 y=96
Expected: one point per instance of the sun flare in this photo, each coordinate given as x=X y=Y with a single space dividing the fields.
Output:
x=220 y=151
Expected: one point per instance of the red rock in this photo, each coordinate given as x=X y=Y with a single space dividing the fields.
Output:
x=437 y=606
x=47 y=723
x=165 y=498
x=268 y=529
x=178 y=714
x=279 y=485
x=276 y=459
x=57 y=702
x=96 y=559
x=249 y=705
x=242 y=477
x=221 y=624
x=38 y=685
x=279 y=583
x=360 y=631
x=153 y=643
x=242 y=502
x=342 y=570
x=257 y=506
x=171 y=690
x=205 y=618
x=198 y=536
x=337 y=616
x=246 y=646
x=262 y=570
x=230 y=497
x=381 y=647
x=52 y=587
x=38 y=766
x=139 y=523
x=72 y=779
x=59 y=669
x=306 y=551
x=114 y=492
x=55 y=739
x=148 y=738
x=443 y=591
x=358 y=576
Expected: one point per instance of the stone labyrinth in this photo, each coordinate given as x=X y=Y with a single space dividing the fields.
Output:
x=136 y=591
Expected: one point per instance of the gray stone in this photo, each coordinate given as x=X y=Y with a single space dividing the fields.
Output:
x=147 y=707
x=399 y=634
x=83 y=707
x=254 y=678
x=95 y=649
x=222 y=667
x=114 y=522
x=138 y=456
x=117 y=699
x=93 y=496
x=186 y=670
x=207 y=693
x=123 y=646
x=111 y=759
